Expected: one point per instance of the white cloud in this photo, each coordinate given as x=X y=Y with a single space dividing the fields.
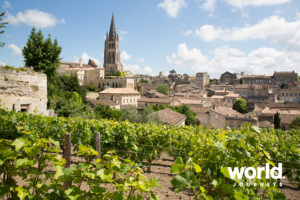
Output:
x=208 y=33
x=125 y=56
x=172 y=7
x=34 y=17
x=6 y=5
x=273 y=29
x=259 y=61
x=245 y=3
x=136 y=69
x=209 y=5
x=123 y=32
x=2 y=63
x=85 y=59
x=141 y=60
x=16 y=50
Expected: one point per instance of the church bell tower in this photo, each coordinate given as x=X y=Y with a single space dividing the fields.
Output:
x=112 y=62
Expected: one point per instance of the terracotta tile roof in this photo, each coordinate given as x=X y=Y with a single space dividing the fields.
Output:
x=200 y=110
x=280 y=105
x=92 y=63
x=158 y=94
x=154 y=100
x=190 y=101
x=270 y=111
x=119 y=91
x=266 y=124
x=169 y=116
x=287 y=119
x=229 y=112
x=102 y=101
x=284 y=72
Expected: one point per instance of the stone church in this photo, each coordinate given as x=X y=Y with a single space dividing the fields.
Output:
x=112 y=62
x=101 y=78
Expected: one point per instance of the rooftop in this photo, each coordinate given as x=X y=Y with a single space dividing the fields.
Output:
x=119 y=91
x=169 y=116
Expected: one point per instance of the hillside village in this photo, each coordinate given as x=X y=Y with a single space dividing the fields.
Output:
x=211 y=99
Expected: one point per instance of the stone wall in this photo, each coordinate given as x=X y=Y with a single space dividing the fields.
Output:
x=23 y=91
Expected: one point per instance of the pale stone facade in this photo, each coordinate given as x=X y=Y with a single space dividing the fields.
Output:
x=223 y=117
x=202 y=79
x=87 y=74
x=115 y=82
x=122 y=96
x=24 y=91
x=290 y=94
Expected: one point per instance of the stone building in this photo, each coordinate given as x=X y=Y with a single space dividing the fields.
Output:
x=256 y=93
x=122 y=96
x=223 y=117
x=286 y=116
x=257 y=79
x=24 y=91
x=87 y=74
x=112 y=58
x=285 y=77
x=290 y=93
x=202 y=79
x=230 y=78
x=115 y=82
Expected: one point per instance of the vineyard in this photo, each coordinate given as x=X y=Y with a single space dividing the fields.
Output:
x=31 y=149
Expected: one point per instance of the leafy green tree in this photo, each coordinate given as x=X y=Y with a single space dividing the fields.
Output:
x=143 y=81
x=131 y=114
x=172 y=71
x=190 y=115
x=72 y=106
x=2 y=26
x=105 y=112
x=277 y=121
x=42 y=55
x=61 y=89
x=162 y=88
x=295 y=124
x=240 y=105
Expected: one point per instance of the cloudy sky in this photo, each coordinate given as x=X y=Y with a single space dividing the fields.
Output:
x=253 y=36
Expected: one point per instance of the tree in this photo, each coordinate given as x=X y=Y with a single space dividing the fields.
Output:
x=240 y=105
x=186 y=110
x=42 y=55
x=295 y=124
x=2 y=26
x=172 y=71
x=162 y=88
x=105 y=112
x=277 y=121
x=131 y=114
x=143 y=81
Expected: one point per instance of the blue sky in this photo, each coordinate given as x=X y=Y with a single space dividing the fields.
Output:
x=253 y=36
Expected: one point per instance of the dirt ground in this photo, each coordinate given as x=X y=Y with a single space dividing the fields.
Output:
x=161 y=170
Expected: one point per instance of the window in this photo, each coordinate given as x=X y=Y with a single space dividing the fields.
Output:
x=13 y=107
x=24 y=107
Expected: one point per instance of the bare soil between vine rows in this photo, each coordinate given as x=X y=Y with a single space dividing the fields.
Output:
x=160 y=169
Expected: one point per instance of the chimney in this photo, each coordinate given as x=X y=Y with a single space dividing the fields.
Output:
x=80 y=62
x=242 y=73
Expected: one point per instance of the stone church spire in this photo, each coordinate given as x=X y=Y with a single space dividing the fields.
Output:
x=112 y=61
x=112 y=31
